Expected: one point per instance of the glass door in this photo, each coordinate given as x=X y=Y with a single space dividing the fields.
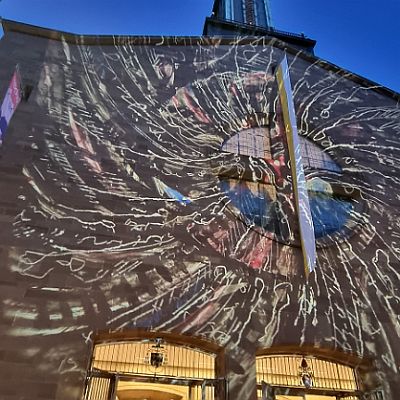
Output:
x=138 y=389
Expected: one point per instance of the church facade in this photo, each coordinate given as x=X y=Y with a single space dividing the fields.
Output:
x=149 y=240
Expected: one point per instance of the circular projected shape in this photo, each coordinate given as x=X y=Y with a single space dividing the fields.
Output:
x=258 y=206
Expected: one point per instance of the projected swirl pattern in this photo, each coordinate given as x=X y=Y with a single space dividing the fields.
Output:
x=123 y=216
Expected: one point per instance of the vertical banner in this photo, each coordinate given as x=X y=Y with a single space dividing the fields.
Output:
x=307 y=236
x=10 y=103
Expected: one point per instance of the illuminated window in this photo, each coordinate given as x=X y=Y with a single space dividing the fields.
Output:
x=325 y=379
x=330 y=211
x=136 y=358
x=255 y=142
x=313 y=157
x=256 y=202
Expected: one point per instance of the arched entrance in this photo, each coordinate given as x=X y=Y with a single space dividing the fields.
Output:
x=154 y=367
x=298 y=377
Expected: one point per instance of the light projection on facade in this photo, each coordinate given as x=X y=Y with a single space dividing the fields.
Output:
x=138 y=209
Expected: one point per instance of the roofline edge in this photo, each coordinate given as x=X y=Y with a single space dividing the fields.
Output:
x=20 y=27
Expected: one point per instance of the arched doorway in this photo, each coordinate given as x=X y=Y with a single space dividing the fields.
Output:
x=154 y=367
x=298 y=377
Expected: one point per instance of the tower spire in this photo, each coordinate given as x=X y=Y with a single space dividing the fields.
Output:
x=250 y=18
x=251 y=12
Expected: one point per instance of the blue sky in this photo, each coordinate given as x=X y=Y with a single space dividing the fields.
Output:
x=358 y=35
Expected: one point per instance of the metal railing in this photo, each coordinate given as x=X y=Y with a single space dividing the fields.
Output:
x=267 y=30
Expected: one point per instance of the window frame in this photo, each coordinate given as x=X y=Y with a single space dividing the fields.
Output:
x=333 y=176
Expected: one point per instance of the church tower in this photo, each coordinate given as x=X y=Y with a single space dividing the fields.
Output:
x=251 y=12
x=249 y=18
